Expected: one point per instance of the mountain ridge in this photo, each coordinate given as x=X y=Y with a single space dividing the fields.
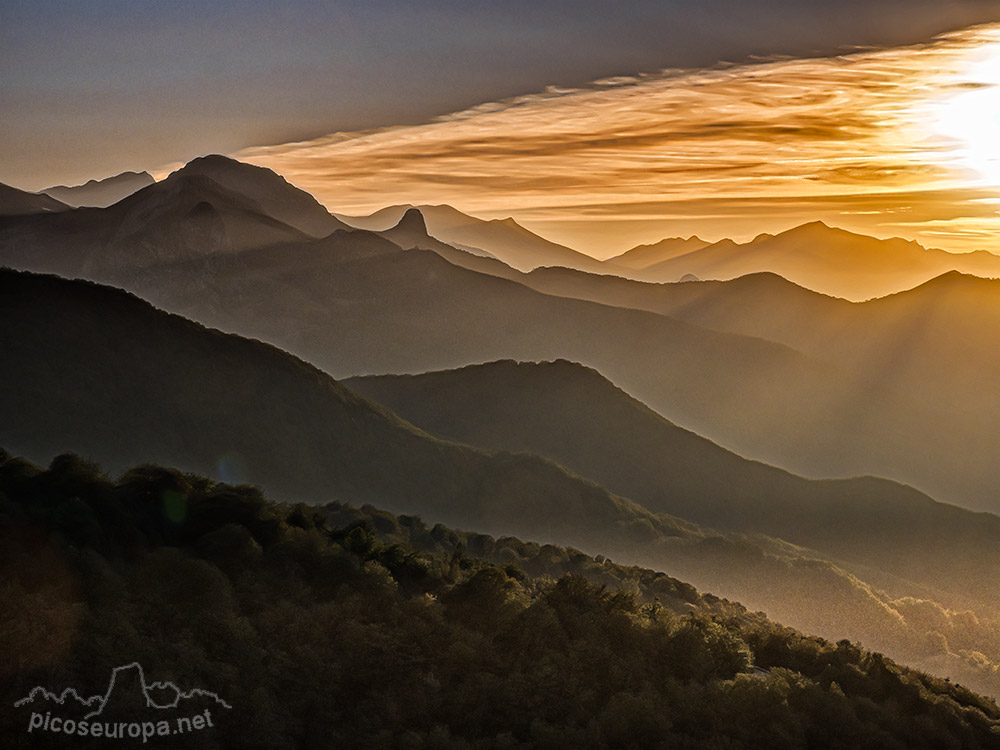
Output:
x=101 y=372
x=825 y=259
x=642 y=256
x=100 y=193
x=202 y=375
x=15 y=202
x=504 y=239
x=576 y=417
x=279 y=198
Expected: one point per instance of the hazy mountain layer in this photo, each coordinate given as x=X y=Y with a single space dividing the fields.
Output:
x=644 y=256
x=818 y=415
x=575 y=417
x=183 y=216
x=101 y=193
x=935 y=344
x=97 y=371
x=503 y=239
x=827 y=260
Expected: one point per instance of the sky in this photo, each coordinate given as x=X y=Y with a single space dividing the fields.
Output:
x=895 y=141
x=95 y=87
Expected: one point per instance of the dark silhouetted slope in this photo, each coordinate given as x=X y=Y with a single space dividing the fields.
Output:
x=95 y=370
x=15 y=202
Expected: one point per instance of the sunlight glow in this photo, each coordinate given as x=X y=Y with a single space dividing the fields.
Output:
x=972 y=117
x=899 y=141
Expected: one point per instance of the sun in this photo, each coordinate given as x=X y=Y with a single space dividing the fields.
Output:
x=970 y=119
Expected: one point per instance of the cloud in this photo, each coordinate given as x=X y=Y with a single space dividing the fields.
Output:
x=863 y=129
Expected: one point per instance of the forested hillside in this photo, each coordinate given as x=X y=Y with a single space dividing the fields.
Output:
x=347 y=627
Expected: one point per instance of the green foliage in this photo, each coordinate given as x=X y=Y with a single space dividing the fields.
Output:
x=352 y=627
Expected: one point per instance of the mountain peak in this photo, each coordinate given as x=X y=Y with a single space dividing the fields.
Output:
x=412 y=220
x=809 y=229
x=216 y=161
x=221 y=168
x=277 y=197
x=816 y=224
x=955 y=279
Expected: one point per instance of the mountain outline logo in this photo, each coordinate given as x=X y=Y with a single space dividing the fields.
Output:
x=129 y=706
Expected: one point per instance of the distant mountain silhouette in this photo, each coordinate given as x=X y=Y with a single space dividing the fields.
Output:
x=405 y=311
x=824 y=259
x=101 y=193
x=817 y=403
x=14 y=202
x=271 y=192
x=503 y=239
x=182 y=217
x=937 y=340
x=389 y=310
x=643 y=256
x=411 y=233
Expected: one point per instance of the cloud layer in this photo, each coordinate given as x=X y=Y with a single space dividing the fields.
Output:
x=890 y=141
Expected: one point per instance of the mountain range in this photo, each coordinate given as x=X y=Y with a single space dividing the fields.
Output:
x=932 y=344
x=97 y=369
x=356 y=303
x=678 y=387
x=644 y=256
x=577 y=418
x=101 y=193
x=503 y=239
x=822 y=258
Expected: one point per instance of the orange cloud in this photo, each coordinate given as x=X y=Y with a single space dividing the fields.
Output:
x=866 y=140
